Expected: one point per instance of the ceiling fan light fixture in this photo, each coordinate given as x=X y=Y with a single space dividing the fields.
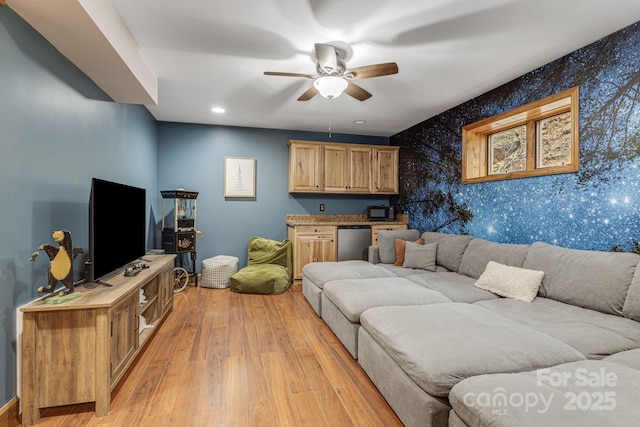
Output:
x=330 y=86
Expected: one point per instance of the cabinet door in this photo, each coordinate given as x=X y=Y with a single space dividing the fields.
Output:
x=124 y=333
x=313 y=249
x=336 y=169
x=386 y=170
x=166 y=290
x=313 y=244
x=304 y=167
x=359 y=170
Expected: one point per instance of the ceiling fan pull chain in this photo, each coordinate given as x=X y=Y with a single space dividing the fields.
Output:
x=330 y=115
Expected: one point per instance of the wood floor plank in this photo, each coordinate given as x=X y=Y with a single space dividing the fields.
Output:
x=280 y=397
x=309 y=410
x=228 y=359
x=334 y=411
x=295 y=374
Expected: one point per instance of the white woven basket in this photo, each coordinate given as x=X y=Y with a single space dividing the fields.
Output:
x=216 y=271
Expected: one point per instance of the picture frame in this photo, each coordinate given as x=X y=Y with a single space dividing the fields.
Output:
x=239 y=177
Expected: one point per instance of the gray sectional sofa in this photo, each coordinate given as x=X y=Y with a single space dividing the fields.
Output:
x=456 y=319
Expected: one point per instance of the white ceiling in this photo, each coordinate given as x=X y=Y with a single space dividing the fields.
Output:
x=208 y=53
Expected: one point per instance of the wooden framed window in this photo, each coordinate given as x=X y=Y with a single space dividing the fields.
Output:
x=540 y=138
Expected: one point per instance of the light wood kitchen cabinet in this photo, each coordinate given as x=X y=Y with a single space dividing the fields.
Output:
x=385 y=170
x=78 y=350
x=375 y=229
x=305 y=160
x=342 y=168
x=312 y=243
x=347 y=169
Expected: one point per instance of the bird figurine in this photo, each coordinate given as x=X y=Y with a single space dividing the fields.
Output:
x=60 y=262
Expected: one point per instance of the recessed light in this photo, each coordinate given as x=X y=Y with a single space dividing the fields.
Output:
x=218 y=110
x=359 y=122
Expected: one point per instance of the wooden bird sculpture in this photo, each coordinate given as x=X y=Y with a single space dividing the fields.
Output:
x=60 y=262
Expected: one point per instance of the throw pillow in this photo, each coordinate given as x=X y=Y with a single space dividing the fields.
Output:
x=400 y=249
x=511 y=282
x=420 y=256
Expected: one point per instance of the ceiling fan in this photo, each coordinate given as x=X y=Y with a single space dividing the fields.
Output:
x=333 y=77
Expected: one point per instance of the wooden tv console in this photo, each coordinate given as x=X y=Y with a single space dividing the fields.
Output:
x=77 y=351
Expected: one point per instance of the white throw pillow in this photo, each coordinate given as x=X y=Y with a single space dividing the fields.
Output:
x=420 y=256
x=511 y=282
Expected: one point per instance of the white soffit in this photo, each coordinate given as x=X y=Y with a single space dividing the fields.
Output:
x=93 y=35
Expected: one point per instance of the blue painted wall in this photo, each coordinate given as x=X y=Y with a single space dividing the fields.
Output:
x=57 y=130
x=192 y=157
x=596 y=208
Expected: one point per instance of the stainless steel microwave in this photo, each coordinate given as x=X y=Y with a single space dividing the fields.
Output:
x=381 y=213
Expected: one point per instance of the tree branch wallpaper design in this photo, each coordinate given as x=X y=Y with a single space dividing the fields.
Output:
x=595 y=208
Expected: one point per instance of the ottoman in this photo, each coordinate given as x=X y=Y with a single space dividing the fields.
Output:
x=586 y=393
x=430 y=348
x=217 y=270
x=343 y=301
x=316 y=274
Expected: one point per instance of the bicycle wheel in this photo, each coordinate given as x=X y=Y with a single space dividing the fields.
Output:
x=181 y=279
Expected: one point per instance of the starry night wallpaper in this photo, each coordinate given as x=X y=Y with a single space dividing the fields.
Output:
x=596 y=208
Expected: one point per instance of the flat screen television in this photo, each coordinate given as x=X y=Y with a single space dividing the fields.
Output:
x=117 y=227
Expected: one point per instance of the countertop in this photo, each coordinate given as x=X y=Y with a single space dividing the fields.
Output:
x=330 y=219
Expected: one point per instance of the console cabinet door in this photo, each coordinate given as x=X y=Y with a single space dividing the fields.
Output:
x=124 y=333
x=304 y=167
x=386 y=170
x=166 y=279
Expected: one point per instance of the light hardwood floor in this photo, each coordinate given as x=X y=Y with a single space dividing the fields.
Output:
x=228 y=359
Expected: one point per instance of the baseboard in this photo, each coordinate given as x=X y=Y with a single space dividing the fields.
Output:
x=9 y=413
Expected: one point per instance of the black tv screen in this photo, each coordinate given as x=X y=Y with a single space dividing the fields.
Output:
x=117 y=226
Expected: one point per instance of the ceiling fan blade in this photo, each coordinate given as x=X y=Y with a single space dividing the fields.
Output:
x=327 y=59
x=310 y=93
x=357 y=92
x=277 y=73
x=375 y=70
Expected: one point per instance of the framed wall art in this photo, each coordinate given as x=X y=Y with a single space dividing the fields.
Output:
x=239 y=177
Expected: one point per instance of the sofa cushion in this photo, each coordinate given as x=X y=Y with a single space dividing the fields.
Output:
x=558 y=396
x=438 y=345
x=387 y=244
x=457 y=287
x=479 y=252
x=591 y=279
x=320 y=273
x=511 y=282
x=630 y=358
x=451 y=247
x=422 y=257
x=631 y=307
x=406 y=271
x=592 y=333
x=353 y=296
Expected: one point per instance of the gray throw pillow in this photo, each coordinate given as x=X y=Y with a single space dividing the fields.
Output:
x=387 y=245
x=420 y=256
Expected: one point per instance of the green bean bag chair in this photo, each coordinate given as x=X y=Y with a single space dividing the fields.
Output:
x=269 y=269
